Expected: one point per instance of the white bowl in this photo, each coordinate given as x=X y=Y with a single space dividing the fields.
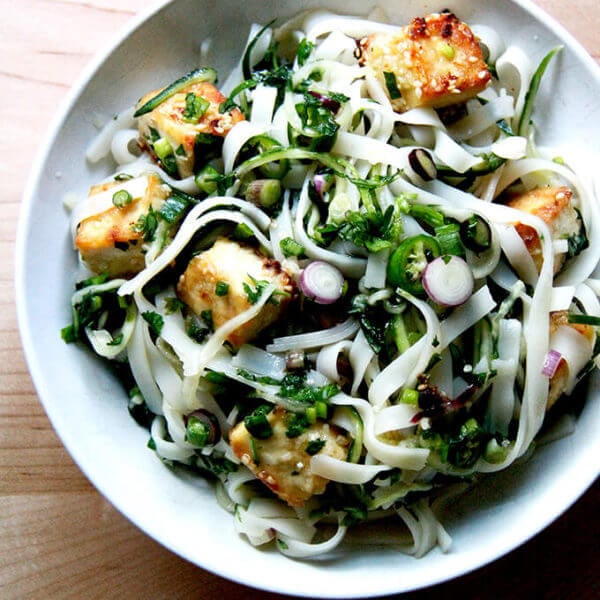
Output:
x=87 y=405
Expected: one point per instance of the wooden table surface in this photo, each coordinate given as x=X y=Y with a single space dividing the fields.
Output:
x=59 y=538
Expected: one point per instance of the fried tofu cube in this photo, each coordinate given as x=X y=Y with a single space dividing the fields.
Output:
x=435 y=61
x=559 y=381
x=226 y=280
x=553 y=205
x=283 y=463
x=107 y=239
x=177 y=127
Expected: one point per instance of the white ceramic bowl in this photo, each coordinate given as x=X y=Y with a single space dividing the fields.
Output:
x=88 y=408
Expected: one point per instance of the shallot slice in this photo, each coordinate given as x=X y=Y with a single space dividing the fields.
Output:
x=322 y=282
x=448 y=280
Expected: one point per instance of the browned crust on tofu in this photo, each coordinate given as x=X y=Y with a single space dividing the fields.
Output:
x=437 y=61
x=547 y=203
x=283 y=463
x=552 y=205
x=232 y=263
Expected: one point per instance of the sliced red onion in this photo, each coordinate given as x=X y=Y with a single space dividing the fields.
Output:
x=551 y=362
x=322 y=282
x=448 y=280
x=320 y=181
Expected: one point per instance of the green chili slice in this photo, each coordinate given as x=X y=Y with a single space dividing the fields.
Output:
x=408 y=261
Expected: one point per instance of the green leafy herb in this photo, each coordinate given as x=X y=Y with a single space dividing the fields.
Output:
x=579 y=241
x=146 y=225
x=392 y=85
x=294 y=387
x=221 y=288
x=305 y=48
x=173 y=305
x=314 y=447
x=373 y=321
x=155 y=321
x=297 y=423
x=373 y=230
x=254 y=293
x=207 y=317
x=197 y=332
x=195 y=107
x=257 y=423
x=118 y=339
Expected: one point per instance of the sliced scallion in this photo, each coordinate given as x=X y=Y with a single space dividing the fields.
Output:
x=122 y=198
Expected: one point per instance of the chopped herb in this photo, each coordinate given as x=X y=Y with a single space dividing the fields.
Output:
x=372 y=230
x=207 y=317
x=221 y=288
x=297 y=423
x=116 y=340
x=195 y=107
x=180 y=150
x=282 y=544
x=305 y=48
x=254 y=293
x=319 y=127
x=314 y=447
x=294 y=387
x=197 y=332
x=154 y=135
x=94 y=280
x=578 y=242
x=392 y=85
x=173 y=305
x=264 y=380
x=257 y=423
x=146 y=225
x=373 y=321
x=155 y=321
x=214 y=464
x=354 y=515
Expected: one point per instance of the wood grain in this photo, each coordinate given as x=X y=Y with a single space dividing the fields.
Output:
x=58 y=537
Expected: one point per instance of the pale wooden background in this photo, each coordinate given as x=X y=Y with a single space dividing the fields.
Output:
x=58 y=537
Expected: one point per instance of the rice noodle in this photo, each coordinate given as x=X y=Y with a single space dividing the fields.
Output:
x=361 y=408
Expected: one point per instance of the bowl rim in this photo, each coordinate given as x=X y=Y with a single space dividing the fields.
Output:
x=584 y=479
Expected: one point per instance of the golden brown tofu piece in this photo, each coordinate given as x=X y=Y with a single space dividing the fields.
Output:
x=558 y=382
x=108 y=241
x=224 y=280
x=434 y=62
x=169 y=122
x=283 y=463
x=553 y=205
